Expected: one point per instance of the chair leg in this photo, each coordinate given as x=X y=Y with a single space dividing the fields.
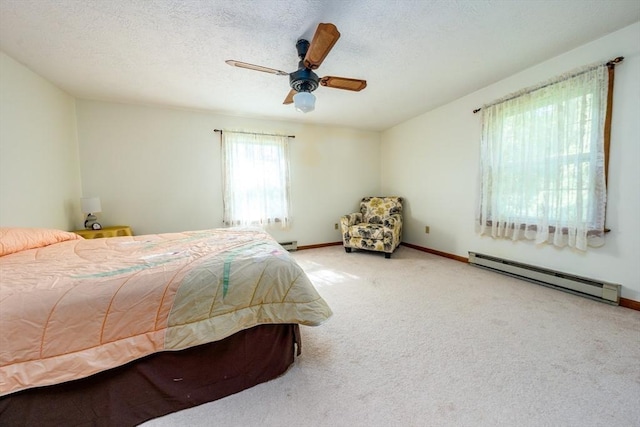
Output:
x=387 y=255
x=347 y=250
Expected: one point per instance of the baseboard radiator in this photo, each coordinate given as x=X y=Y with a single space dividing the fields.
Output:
x=594 y=289
x=290 y=246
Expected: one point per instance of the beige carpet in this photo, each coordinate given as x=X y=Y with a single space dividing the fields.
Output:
x=421 y=340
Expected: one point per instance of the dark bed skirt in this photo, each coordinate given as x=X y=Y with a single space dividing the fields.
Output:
x=158 y=384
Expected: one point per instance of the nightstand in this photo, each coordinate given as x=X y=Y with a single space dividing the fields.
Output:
x=114 y=231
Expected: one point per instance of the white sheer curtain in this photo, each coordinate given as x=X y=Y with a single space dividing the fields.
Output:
x=542 y=162
x=255 y=179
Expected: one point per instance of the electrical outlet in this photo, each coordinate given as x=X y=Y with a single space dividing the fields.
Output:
x=426 y=229
x=335 y=226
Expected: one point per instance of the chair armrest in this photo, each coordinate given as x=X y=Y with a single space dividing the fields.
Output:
x=392 y=221
x=350 y=219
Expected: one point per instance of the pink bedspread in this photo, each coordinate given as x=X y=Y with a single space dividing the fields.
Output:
x=75 y=308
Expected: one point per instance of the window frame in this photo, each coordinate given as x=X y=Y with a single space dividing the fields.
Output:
x=250 y=143
x=526 y=225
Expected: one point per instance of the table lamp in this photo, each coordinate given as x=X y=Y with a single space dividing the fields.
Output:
x=90 y=206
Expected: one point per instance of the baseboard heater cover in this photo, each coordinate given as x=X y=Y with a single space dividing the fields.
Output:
x=290 y=246
x=594 y=289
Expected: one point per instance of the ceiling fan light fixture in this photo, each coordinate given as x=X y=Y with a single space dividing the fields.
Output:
x=304 y=101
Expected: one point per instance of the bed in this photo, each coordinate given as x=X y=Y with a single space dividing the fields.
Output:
x=121 y=330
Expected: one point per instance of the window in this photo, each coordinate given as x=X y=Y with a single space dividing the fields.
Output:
x=543 y=173
x=255 y=179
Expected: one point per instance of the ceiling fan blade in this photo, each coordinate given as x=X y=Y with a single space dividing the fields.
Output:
x=256 y=67
x=355 y=85
x=323 y=40
x=289 y=98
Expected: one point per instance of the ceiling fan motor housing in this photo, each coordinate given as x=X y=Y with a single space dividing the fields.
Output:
x=303 y=80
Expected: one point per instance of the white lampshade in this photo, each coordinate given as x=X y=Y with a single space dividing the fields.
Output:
x=304 y=101
x=91 y=205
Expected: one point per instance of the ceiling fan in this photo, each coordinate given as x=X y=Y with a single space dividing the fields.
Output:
x=303 y=81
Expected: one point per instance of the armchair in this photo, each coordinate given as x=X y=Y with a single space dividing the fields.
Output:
x=377 y=227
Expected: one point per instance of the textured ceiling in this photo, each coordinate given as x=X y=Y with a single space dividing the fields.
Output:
x=414 y=54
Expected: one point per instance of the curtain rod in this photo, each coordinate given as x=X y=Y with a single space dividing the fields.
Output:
x=254 y=133
x=609 y=64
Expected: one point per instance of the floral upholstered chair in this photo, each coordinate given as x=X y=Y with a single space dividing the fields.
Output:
x=377 y=227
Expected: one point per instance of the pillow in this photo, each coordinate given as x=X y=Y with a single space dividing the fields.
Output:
x=20 y=239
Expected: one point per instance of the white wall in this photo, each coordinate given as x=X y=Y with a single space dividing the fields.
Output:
x=433 y=161
x=39 y=164
x=159 y=169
